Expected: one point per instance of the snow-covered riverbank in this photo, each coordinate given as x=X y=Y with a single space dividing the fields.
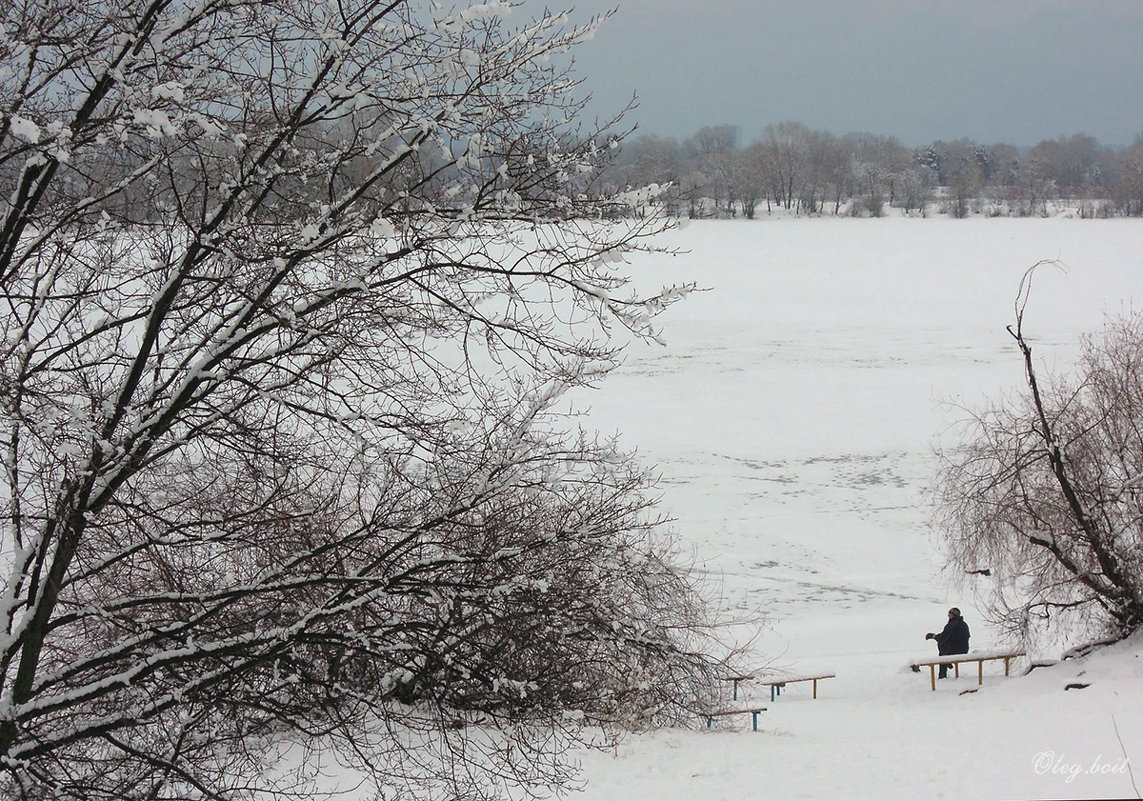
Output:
x=793 y=416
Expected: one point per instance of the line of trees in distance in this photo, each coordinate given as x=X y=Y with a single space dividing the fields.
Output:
x=804 y=171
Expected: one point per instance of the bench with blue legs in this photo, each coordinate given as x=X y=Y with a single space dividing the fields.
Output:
x=753 y=710
x=777 y=682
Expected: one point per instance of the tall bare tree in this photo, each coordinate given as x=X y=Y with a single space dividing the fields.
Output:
x=787 y=150
x=1047 y=493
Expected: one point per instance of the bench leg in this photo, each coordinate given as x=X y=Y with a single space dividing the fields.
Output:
x=1006 y=661
x=956 y=669
x=755 y=714
x=773 y=688
x=980 y=672
x=815 y=688
x=933 y=677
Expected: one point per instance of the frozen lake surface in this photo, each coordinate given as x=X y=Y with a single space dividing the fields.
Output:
x=793 y=417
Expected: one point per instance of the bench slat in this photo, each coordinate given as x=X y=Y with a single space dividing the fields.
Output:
x=962 y=658
x=724 y=712
x=792 y=679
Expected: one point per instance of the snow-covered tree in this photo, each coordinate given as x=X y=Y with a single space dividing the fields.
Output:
x=292 y=291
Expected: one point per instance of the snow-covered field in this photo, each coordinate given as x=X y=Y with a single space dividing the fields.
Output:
x=793 y=416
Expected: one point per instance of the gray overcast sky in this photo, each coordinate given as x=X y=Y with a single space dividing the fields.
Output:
x=1014 y=71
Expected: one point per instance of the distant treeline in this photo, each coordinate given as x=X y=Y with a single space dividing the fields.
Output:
x=710 y=174
x=816 y=172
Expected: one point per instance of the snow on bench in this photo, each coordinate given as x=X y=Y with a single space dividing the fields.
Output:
x=753 y=710
x=777 y=681
x=956 y=660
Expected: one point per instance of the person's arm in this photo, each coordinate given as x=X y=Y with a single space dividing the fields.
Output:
x=946 y=632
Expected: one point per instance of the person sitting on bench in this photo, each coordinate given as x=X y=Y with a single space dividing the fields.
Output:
x=953 y=639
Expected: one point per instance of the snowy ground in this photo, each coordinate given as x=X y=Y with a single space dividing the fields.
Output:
x=793 y=416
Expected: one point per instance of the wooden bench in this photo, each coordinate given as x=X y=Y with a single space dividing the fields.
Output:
x=776 y=683
x=956 y=660
x=753 y=710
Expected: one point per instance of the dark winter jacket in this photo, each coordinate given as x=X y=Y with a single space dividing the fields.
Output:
x=954 y=638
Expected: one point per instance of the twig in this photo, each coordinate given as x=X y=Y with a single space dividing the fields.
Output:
x=1127 y=759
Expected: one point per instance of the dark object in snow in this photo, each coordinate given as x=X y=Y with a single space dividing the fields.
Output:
x=966 y=692
x=1042 y=664
x=982 y=572
x=1075 y=685
x=1084 y=650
